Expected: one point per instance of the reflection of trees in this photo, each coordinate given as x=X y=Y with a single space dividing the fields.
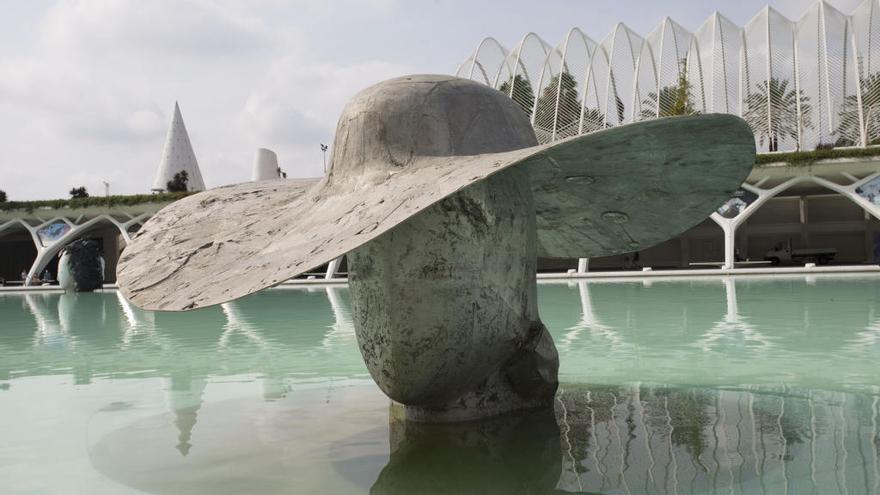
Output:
x=663 y=439
x=783 y=107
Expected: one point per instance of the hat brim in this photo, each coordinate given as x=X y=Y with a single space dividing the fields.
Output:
x=613 y=191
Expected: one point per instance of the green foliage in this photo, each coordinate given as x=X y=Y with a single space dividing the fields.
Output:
x=673 y=100
x=783 y=118
x=2 y=196
x=569 y=111
x=849 y=128
x=805 y=158
x=178 y=183
x=79 y=192
x=89 y=202
x=567 y=114
x=522 y=93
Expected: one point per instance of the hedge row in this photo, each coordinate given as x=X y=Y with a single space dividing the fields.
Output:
x=806 y=158
x=92 y=201
x=794 y=159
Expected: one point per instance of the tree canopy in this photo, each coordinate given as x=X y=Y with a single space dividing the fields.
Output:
x=849 y=128
x=672 y=100
x=2 y=196
x=522 y=93
x=79 y=192
x=178 y=183
x=783 y=119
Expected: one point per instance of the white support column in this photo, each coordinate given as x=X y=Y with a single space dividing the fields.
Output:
x=332 y=268
x=729 y=245
x=583 y=265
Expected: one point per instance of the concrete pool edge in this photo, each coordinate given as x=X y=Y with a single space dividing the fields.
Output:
x=570 y=277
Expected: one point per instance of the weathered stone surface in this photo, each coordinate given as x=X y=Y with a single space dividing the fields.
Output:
x=404 y=145
x=445 y=306
x=443 y=206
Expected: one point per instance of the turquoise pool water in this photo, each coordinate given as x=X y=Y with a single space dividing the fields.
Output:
x=705 y=386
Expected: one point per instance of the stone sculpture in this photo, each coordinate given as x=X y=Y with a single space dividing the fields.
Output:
x=442 y=199
x=81 y=266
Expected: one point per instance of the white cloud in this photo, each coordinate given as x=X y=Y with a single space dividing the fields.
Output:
x=296 y=102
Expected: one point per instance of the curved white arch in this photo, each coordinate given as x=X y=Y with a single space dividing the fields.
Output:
x=730 y=67
x=46 y=252
x=729 y=225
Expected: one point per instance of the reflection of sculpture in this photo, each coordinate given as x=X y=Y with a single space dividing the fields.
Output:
x=444 y=302
x=510 y=454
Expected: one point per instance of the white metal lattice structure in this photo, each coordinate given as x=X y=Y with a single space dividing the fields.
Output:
x=800 y=84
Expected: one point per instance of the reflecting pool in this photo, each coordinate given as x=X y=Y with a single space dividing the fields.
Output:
x=762 y=385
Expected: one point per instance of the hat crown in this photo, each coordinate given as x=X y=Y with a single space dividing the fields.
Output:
x=388 y=125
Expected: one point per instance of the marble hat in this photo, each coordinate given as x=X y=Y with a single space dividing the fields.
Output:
x=408 y=143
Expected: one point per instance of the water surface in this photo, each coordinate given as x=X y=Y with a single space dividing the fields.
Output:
x=706 y=386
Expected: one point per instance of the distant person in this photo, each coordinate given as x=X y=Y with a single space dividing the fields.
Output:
x=23 y=276
x=46 y=275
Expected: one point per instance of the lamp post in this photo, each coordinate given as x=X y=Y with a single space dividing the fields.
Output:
x=324 y=151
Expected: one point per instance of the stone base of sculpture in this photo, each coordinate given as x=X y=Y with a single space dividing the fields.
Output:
x=445 y=308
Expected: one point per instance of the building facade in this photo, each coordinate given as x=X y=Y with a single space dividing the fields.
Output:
x=812 y=83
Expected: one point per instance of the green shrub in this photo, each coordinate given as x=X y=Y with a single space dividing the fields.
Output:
x=93 y=201
x=806 y=158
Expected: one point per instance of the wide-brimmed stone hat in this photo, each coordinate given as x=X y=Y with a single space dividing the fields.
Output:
x=408 y=143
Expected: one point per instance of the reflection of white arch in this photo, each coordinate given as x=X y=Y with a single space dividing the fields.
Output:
x=139 y=322
x=50 y=329
x=729 y=225
x=732 y=323
x=343 y=327
x=589 y=322
x=237 y=323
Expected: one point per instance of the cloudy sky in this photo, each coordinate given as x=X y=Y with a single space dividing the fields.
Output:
x=87 y=87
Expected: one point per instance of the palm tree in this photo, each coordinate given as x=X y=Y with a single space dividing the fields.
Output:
x=849 y=128
x=783 y=105
x=522 y=94
x=674 y=100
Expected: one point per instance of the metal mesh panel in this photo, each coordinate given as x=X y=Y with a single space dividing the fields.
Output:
x=553 y=76
x=865 y=24
x=716 y=53
x=577 y=52
x=486 y=63
x=799 y=85
x=645 y=104
x=623 y=46
x=673 y=93
x=527 y=64
x=596 y=92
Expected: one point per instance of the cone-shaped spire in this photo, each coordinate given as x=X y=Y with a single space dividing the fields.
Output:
x=178 y=155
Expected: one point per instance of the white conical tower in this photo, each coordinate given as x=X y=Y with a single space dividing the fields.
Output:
x=178 y=155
